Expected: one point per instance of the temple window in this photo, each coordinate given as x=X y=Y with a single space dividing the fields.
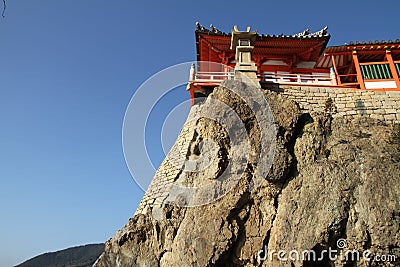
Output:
x=376 y=71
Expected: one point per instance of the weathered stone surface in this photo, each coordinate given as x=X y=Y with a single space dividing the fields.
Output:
x=347 y=102
x=331 y=178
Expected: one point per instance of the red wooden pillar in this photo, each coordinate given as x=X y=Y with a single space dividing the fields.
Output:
x=339 y=82
x=191 y=90
x=360 y=78
x=393 y=68
x=258 y=64
x=190 y=86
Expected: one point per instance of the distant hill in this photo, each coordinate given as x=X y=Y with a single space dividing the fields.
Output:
x=81 y=256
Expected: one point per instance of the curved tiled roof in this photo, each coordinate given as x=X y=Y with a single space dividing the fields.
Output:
x=306 y=34
x=213 y=44
x=370 y=42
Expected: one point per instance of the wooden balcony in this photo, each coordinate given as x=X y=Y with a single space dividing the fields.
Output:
x=370 y=75
x=293 y=78
x=373 y=75
x=210 y=77
x=215 y=78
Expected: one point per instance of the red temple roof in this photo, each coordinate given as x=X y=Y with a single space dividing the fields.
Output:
x=214 y=45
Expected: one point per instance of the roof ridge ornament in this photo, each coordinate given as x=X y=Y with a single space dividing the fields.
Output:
x=212 y=29
x=307 y=34
x=320 y=33
x=215 y=30
x=200 y=27
x=301 y=34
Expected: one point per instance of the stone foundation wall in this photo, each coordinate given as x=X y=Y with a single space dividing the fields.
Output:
x=382 y=105
x=170 y=168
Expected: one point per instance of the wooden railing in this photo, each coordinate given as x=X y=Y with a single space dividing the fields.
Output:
x=376 y=71
x=212 y=77
x=297 y=78
x=397 y=65
x=218 y=77
x=370 y=71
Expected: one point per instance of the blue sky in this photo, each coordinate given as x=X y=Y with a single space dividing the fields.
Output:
x=67 y=72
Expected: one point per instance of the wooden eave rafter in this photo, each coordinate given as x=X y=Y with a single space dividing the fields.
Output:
x=362 y=49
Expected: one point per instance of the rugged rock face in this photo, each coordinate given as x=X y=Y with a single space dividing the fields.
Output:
x=331 y=179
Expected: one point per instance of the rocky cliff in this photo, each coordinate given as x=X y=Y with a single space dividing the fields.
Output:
x=334 y=186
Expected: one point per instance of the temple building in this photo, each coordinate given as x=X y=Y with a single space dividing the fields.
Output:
x=302 y=58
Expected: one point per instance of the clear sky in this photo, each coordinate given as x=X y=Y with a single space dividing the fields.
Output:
x=68 y=69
